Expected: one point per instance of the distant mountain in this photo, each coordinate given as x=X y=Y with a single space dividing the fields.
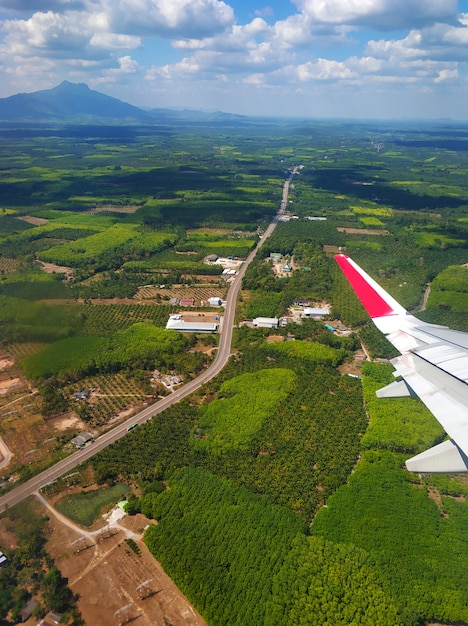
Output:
x=68 y=102
x=192 y=115
x=76 y=103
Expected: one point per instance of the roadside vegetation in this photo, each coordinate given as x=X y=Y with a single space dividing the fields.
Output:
x=29 y=571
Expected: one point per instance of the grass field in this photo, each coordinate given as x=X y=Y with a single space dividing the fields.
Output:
x=83 y=508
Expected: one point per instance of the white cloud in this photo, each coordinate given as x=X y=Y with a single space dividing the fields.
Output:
x=383 y=15
x=446 y=75
x=60 y=36
x=92 y=40
x=236 y=39
x=174 y=18
x=127 y=67
x=255 y=79
x=265 y=12
x=440 y=42
x=322 y=70
x=301 y=30
x=111 y=41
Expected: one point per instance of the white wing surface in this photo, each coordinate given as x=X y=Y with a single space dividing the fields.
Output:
x=433 y=365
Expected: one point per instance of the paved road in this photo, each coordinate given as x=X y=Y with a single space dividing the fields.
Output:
x=61 y=468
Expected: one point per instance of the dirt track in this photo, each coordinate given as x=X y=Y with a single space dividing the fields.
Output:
x=110 y=577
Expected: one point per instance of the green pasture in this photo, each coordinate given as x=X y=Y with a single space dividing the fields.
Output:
x=76 y=253
x=428 y=239
x=33 y=286
x=370 y=222
x=454 y=278
x=263 y=303
x=407 y=183
x=222 y=243
x=447 y=190
x=373 y=246
x=83 y=508
x=373 y=211
x=67 y=219
x=454 y=300
x=22 y=320
x=309 y=351
x=142 y=342
x=71 y=354
x=244 y=403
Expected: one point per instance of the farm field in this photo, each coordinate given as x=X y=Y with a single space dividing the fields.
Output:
x=106 y=576
x=90 y=261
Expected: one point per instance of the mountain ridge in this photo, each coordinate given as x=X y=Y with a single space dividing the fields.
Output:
x=76 y=102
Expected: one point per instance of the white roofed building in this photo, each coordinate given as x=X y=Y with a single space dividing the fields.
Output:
x=176 y=322
x=265 y=322
x=316 y=312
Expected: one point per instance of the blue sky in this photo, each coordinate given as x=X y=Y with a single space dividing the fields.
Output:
x=363 y=59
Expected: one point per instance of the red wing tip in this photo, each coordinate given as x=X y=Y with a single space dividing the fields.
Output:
x=374 y=302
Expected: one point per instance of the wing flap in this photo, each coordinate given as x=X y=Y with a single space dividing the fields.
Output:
x=434 y=365
x=441 y=459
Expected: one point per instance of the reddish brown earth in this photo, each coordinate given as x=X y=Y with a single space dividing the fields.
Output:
x=106 y=576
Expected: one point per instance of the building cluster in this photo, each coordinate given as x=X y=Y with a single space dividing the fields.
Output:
x=168 y=380
x=230 y=265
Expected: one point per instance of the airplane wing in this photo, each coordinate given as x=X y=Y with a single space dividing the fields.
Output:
x=433 y=365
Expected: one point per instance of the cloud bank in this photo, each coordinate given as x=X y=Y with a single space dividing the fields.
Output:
x=214 y=53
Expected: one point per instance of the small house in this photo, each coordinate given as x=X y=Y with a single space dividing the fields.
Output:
x=82 y=439
x=27 y=611
x=187 y=302
x=215 y=301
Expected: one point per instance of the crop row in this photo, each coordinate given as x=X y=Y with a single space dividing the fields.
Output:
x=198 y=294
x=106 y=318
x=8 y=266
x=111 y=394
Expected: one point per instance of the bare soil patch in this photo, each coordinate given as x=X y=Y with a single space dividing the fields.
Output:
x=5 y=363
x=275 y=339
x=363 y=231
x=67 y=421
x=195 y=316
x=51 y=268
x=115 y=209
x=107 y=577
x=199 y=294
x=351 y=367
x=9 y=385
x=333 y=249
x=35 y=221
